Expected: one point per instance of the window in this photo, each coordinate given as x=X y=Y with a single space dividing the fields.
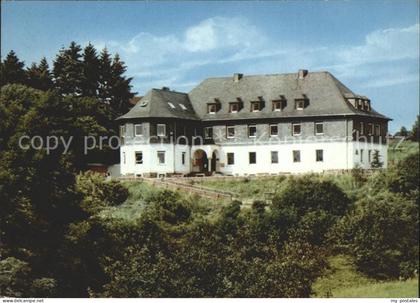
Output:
x=369 y=155
x=182 y=106
x=252 y=158
x=370 y=129
x=234 y=107
x=377 y=130
x=361 y=155
x=274 y=130
x=208 y=132
x=274 y=157
x=138 y=130
x=356 y=151
x=300 y=104
x=319 y=155
x=183 y=155
x=230 y=131
x=296 y=129
x=319 y=128
x=124 y=157
x=122 y=131
x=161 y=130
x=366 y=105
x=171 y=105
x=211 y=108
x=139 y=157
x=362 y=128
x=296 y=156
x=230 y=158
x=252 y=131
x=161 y=157
x=255 y=106
x=277 y=105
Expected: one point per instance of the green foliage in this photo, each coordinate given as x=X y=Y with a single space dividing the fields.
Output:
x=11 y=70
x=406 y=175
x=358 y=175
x=376 y=163
x=14 y=277
x=382 y=235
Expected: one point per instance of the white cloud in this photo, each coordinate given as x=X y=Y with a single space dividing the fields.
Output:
x=235 y=45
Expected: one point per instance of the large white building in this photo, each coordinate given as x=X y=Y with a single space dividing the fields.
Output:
x=243 y=125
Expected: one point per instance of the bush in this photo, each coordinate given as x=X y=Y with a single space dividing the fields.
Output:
x=382 y=235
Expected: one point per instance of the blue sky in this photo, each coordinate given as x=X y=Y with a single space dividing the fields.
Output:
x=371 y=46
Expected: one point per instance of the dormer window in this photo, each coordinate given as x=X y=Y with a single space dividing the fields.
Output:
x=233 y=107
x=211 y=108
x=300 y=104
x=255 y=106
x=366 y=105
x=161 y=130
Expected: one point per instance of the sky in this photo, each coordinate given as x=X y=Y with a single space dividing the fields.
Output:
x=371 y=46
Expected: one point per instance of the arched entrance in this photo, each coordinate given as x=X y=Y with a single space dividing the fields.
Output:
x=200 y=161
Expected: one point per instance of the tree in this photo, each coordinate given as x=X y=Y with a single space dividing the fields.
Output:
x=68 y=70
x=91 y=72
x=382 y=233
x=402 y=132
x=121 y=87
x=105 y=76
x=414 y=134
x=39 y=76
x=376 y=163
x=11 y=70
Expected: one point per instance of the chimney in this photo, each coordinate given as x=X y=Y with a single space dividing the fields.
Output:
x=237 y=77
x=302 y=73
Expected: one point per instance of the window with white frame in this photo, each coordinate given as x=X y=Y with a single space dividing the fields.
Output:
x=230 y=131
x=255 y=106
x=274 y=157
x=319 y=153
x=377 y=130
x=300 y=104
x=161 y=130
x=161 y=157
x=274 y=130
x=211 y=108
x=252 y=131
x=124 y=159
x=230 y=158
x=278 y=105
x=122 y=131
x=208 y=132
x=296 y=156
x=139 y=157
x=362 y=128
x=233 y=107
x=296 y=129
x=138 y=130
x=369 y=156
x=370 y=128
x=252 y=158
x=319 y=128
x=361 y=155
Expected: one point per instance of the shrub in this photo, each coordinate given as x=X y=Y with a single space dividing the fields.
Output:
x=382 y=235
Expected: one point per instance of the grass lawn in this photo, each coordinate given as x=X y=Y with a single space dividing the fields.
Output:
x=343 y=281
x=139 y=194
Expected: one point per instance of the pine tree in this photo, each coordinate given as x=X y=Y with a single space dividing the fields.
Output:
x=105 y=76
x=414 y=134
x=376 y=163
x=121 y=87
x=39 y=76
x=68 y=70
x=91 y=67
x=11 y=70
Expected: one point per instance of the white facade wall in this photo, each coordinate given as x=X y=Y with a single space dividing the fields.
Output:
x=336 y=156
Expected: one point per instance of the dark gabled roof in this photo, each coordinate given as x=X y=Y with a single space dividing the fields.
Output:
x=162 y=103
x=324 y=91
